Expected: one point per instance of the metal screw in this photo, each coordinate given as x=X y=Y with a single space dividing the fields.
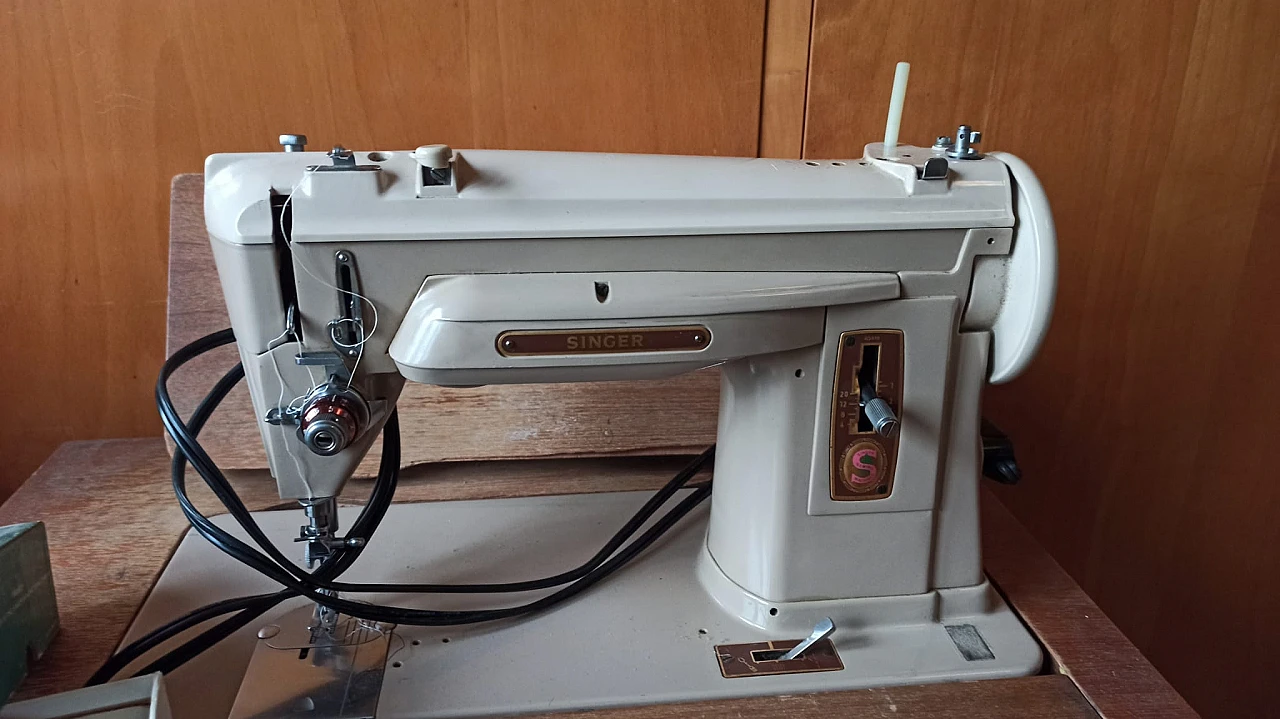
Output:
x=697 y=339
x=343 y=257
x=943 y=142
x=966 y=138
x=293 y=143
x=355 y=542
x=339 y=151
x=508 y=344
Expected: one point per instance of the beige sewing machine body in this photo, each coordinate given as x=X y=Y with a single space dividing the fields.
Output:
x=856 y=308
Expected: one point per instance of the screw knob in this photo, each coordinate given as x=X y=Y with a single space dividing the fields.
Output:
x=877 y=411
x=966 y=138
x=434 y=157
x=332 y=418
x=293 y=143
x=881 y=416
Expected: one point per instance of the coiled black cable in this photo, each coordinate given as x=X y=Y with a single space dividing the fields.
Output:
x=253 y=606
x=298 y=582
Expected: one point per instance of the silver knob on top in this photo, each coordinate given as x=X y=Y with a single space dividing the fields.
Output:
x=293 y=143
x=966 y=138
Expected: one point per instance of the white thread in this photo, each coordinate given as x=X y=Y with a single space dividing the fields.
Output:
x=403 y=643
x=272 y=343
x=311 y=373
x=275 y=342
x=352 y=320
x=284 y=437
x=364 y=338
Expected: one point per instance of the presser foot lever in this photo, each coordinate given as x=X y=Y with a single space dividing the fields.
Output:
x=821 y=630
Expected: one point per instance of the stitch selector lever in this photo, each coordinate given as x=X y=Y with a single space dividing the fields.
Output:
x=874 y=408
x=878 y=412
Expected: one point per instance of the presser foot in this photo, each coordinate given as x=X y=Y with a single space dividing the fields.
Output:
x=315 y=663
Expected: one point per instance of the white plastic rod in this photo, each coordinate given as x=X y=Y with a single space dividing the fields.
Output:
x=895 y=108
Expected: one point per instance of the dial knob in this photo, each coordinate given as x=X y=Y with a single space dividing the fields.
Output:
x=332 y=418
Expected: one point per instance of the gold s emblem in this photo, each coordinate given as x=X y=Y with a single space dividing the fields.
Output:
x=862 y=468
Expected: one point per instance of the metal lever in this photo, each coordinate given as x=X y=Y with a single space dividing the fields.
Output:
x=878 y=412
x=821 y=630
x=881 y=416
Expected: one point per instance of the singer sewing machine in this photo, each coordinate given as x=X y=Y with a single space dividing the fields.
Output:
x=855 y=307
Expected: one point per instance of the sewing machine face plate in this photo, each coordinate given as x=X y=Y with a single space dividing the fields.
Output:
x=863 y=462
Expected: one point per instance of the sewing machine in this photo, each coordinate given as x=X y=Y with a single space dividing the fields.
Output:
x=855 y=308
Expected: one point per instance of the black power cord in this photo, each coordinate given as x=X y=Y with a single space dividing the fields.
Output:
x=308 y=584
x=249 y=607
x=298 y=582
x=370 y=516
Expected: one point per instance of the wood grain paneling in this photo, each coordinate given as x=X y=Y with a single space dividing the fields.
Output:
x=1146 y=427
x=1047 y=697
x=786 y=78
x=106 y=100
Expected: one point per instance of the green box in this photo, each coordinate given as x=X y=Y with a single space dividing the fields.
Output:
x=28 y=609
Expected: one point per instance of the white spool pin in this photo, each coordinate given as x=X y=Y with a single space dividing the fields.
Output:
x=895 y=108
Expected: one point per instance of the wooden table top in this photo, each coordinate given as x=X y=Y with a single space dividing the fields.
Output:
x=113 y=523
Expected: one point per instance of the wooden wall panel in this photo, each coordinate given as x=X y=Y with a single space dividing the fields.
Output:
x=1147 y=426
x=106 y=100
x=786 y=78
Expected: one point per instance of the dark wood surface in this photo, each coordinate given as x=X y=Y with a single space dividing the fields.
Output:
x=112 y=524
x=1147 y=425
x=1042 y=697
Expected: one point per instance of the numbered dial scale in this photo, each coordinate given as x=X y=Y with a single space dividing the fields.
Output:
x=862 y=461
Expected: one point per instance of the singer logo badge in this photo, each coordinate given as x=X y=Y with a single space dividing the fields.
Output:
x=610 y=340
x=862 y=468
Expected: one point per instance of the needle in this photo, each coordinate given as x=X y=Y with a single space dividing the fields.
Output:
x=821 y=631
